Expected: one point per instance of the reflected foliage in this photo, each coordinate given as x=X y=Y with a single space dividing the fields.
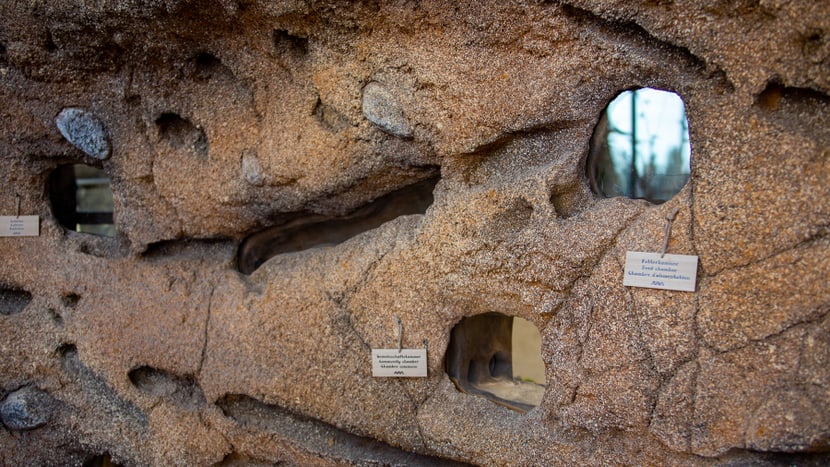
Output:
x=640 y=147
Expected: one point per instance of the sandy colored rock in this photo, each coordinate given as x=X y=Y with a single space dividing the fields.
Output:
x=226 y=119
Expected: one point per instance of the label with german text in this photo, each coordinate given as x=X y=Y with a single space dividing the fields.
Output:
x=671 y=272
x=19 y=226
x=411 y=363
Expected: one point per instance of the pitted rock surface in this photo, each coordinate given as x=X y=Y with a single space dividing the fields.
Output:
x=218 y=121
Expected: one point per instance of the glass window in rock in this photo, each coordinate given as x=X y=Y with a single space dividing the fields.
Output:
x=498 y=357
x=81 y=199
x=640 y=147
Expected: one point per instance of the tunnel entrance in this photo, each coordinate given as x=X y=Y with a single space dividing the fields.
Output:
x=81 y=199
x=498 y=357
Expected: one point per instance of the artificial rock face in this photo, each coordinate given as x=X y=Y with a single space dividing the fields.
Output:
x=192 y=337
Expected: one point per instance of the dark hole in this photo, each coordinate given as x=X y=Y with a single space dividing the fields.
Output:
x=81 y=199
x=309 y=231
x=285 y=42
x=49 y=42
x=182 y=390
x=13 y=301
x=102 y=460
x=208 y=66
x=640 y=147
x=770 y=98
x=182 y=134
x=67 y=351
x=70 y=300
x=484 y=359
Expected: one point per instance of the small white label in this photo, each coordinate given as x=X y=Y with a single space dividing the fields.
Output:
x=19 y=226
x=399 y=363
x=671 y=272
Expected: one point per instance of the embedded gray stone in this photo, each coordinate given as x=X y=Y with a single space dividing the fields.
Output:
x=85 y=131
x=381 y=108
x=26 y=408
x=252 y=169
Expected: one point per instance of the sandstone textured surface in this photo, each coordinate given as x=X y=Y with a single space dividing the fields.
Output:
x=223 y=119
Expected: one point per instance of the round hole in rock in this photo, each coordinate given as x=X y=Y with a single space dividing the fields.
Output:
x=640 y=147
x=81 y=199
x=498 y=357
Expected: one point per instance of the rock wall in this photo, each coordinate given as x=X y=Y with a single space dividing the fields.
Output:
x=216 y=120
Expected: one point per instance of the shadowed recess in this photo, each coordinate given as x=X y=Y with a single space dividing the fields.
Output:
x=189 y=247
x=182 y=134
x=497 y=357
x=182 y=390
x=284 y=42
x=13 y=301
x=309 y=231
x=208 y=66
x=81 y=199
x=319 y=437
x=101 y=460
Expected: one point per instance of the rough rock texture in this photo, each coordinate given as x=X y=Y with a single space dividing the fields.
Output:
x=226 y=118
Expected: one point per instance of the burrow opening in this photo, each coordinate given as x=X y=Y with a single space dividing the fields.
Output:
x=81 y=199
x=498 y=357
x=306 y=231
x=13 y=301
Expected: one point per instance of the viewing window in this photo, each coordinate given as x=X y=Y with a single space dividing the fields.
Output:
x=82 y=199
x=498 y=357
x=640 y=147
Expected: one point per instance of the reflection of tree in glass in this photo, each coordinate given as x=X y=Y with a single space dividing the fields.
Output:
x=640 y=147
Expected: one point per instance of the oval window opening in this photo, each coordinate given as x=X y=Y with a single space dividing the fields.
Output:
x=640 y=147
x=81 y=199
x=498 y=357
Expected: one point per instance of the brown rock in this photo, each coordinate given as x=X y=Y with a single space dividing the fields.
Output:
x=223 y=119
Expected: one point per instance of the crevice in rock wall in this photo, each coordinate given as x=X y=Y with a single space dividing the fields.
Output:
x=236 y=459
x=13 y=300
x=208 y=66
x=183 y=390
x=502 y=140
x=638 y=34
x=800 y=111
x=319 y=437
x=100 y=460
x=750 y=457
x=771 y=97
x=309 y=231
x=190 y=247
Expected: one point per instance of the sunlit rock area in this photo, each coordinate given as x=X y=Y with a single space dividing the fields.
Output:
x=213 y=211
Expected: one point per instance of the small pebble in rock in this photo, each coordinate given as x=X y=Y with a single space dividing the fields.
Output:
x=251 y=169
x=26 y=408
x=381 y=108
x=85 y=131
